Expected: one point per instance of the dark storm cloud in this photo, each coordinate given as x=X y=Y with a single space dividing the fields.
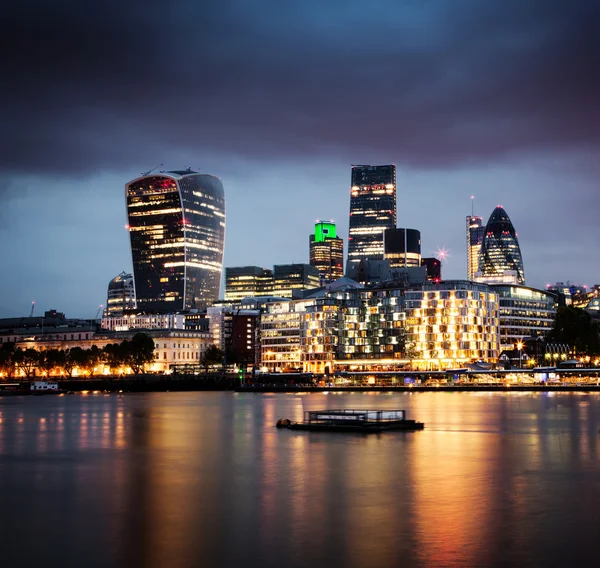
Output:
x=437 y=83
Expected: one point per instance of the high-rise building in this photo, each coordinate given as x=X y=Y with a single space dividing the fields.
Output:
x=289 y=277
x=120 y=296
x=372 y=211
x=402 y=247
x=475 y=232
x=177 y=230
x=246 y=282
x=500 y=254
x=326 y=251
x=433 y=267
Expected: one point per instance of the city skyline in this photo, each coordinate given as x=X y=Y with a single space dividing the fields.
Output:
x=520 y=132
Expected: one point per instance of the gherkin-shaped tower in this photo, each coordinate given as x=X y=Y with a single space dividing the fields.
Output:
x=500 y=249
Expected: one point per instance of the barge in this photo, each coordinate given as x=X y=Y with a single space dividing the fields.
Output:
x=348 y=420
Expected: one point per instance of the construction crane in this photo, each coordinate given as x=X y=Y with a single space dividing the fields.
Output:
x=92 y=322
x=150 y=171
x=32 y=307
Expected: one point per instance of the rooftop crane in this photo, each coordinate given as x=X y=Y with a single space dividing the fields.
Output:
x=32 y=307
x=150 y=171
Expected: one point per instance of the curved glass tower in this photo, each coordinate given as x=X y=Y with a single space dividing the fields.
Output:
x=500 y=249
x=177 y=232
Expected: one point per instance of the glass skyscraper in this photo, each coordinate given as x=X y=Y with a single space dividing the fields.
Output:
x=372 y=211
x=500 y=249
x=177 y=231
x=326 y=251
x=475 y=232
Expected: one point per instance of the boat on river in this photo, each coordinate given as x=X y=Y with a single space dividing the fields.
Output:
x=349 y=420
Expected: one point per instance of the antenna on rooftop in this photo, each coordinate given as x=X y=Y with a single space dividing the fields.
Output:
x=150 y=171
x=472 y=205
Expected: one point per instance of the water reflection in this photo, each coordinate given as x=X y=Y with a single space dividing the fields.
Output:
x=189 y=479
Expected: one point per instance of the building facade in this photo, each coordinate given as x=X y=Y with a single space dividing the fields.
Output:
x=236 y=331
x=372 y=211
x=500 y=252
x=475 y=233
x=451 y=323
x=433 y=267
x=247 y=282
x=176 y=223
x=290 y=277
x=402 y=247
x=326 y=252
x=524 y=313
x=143 y=321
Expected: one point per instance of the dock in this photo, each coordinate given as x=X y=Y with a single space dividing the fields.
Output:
x=349 y=420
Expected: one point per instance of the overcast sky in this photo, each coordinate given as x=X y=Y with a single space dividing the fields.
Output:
x=496 y=99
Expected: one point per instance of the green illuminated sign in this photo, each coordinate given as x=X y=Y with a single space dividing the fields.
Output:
x=324 y=231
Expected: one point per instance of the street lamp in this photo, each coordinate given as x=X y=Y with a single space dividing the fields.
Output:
x=520 y=348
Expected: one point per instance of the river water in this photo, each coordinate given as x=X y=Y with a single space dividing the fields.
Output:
x=205 y=480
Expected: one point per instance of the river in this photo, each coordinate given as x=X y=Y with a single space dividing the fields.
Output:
x=204 y=479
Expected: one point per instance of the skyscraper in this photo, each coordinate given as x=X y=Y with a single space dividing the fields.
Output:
x=433 y=267
x=372 y=211
x=402 y=247
x=120 y=296
x=247 y=281
x=326 y=251
x=177 y=232
x=475 y=232
x=500 y=251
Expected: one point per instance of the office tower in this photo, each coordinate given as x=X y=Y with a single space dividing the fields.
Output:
x=402 y=247
x=475 y=232
x=433 y=267
x=247 y=282
x=372 y=211
x=326 y=251
x=289 y=277
x=120 y=296
x=177 y=231
x=500 y=254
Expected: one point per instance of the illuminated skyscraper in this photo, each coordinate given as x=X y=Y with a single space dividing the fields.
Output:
x=326 y=251
x=475 y=232
x=177 y=231
x=500 y=253
x=372 y=211
x=121 y=295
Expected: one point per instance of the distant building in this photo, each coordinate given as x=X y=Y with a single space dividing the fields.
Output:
x=177 y=231
x=128 y=322
x=120 y=296
x=433 y=267
x=326 y=251
x=247 y=281
x=475 y=233
x=290 y=277
x=372 y=211
x=402 y=247
x=500 y=251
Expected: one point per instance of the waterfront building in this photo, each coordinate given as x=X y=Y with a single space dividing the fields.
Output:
x=173 y=348
x=176 y=223
x=475 y=233
x=372 y=211
x=523 y=313
x=280 y=335
x=247 y=281
x=290 y=277
x=373 y=326
x=120 y=296
x=500 y=251
x=143 y=321
x=402 y=247
x=236 y=331
x=326 y=251
x=433 y=267
x=451 y=323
